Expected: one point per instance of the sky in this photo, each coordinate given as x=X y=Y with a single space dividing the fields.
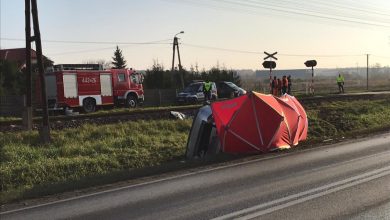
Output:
x=225 y=33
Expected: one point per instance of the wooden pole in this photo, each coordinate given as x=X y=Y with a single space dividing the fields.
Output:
x=173 y=58
x=367 y=71
x=45 y=130
x=27 y=118
x=180 y=67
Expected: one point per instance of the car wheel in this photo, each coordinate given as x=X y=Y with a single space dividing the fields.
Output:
x=194 y=101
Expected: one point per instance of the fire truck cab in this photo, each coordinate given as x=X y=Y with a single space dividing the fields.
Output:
x=88 y=86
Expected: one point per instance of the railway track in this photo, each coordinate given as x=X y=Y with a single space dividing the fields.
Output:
x=62 y=122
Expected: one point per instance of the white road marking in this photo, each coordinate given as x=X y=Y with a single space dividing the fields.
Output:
x=258 y=210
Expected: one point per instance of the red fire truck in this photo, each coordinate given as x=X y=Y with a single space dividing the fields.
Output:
x=88 y=86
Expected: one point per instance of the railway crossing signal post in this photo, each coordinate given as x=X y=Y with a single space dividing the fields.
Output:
x=270 y=65
x=312 y=64
x=32 y=9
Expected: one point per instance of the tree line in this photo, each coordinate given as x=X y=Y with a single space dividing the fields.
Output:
x=158 y=78
x=12 y=78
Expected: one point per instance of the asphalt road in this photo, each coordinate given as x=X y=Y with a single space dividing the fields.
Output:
x=343 y=181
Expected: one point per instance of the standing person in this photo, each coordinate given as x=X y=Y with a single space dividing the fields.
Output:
x=289 y=84
x=207 y=90
x=284 y=85
x=340 y=83
x=280 y=85
x=274 y=86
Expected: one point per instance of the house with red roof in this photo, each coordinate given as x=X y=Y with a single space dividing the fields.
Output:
x=18 y=55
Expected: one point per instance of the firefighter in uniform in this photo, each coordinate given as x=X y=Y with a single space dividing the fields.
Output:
x=207 y=90
x=284 y=85
x=274 y=86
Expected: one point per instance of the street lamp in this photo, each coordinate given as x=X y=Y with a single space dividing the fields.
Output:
x=181 y=32
x=176 y=45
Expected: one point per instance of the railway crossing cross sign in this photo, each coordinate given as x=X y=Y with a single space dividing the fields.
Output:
x=270 y=55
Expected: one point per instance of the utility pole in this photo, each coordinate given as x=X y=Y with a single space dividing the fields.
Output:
x=176 y=47
x=27 y=119
x=45 y=129
x=367 y=70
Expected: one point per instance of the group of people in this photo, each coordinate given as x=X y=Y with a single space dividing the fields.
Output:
x=281 y=86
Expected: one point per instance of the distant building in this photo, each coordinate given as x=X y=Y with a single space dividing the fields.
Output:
x=18 y=55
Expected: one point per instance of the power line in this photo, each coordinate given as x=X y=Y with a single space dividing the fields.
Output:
x=222 y=49
x=380 y=56
x=280 y=8
x=94 y=42
x=261 y=53
x=79 y=51
x=359 y=5
x=339 y=10
x=318 y=4
x=304 y=12
x=320 y=55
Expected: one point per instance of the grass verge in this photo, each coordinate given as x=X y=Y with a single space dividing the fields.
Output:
x=92 y=155
x=86 y=152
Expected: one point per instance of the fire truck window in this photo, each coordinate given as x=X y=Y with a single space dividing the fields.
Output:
x=134 y=79
x=121 y=77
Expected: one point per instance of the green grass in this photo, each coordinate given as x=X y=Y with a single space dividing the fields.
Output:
x=91 y=151
x=141 y=109
x=341 y=118
x=106 y=112
x=6 y=119
x=87 y=151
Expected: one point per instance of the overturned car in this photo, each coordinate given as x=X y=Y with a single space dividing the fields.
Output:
x=252 y=123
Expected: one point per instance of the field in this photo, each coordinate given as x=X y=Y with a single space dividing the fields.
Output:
x=79 y=156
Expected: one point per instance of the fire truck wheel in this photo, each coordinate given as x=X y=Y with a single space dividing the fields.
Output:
x=131 y=101
x=89 y=105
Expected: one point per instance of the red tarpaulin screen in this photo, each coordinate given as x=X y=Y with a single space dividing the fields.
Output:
x=257 y=123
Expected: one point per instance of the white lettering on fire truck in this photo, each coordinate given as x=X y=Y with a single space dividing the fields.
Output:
x=88 y=80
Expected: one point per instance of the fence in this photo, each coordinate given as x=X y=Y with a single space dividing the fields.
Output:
x=160 y=97
x=323 y=85
x=11 y=106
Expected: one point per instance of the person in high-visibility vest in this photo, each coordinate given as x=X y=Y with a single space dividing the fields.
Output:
x=207 y=90
x=340 y=83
